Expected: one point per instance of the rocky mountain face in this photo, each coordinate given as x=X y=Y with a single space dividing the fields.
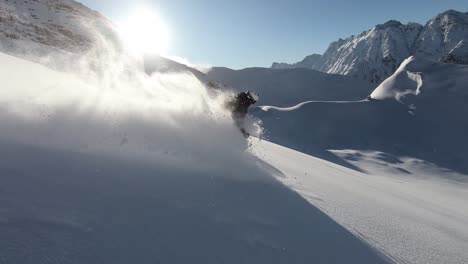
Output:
x=37 y=27
x=445 y=38
x=375 y=54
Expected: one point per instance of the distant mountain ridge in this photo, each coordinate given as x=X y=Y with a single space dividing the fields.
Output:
x=376 y=53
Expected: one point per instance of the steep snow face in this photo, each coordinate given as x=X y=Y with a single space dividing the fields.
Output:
x=375 y=54
x=39 y=27
x=459 y=54
x=444 y=37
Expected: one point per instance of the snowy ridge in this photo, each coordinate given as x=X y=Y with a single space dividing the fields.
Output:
x=285 y=87
x=375 y=54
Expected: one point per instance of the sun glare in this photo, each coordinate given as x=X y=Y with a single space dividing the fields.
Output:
x=145 y=33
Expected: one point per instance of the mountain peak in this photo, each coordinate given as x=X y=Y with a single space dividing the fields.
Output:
x=452 y=12
x=389 y=24
x=449 y=17
x=376 y=53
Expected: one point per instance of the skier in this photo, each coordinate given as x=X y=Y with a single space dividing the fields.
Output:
x=239 y=107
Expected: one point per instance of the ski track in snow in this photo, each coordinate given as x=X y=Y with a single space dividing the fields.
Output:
x=267 y=108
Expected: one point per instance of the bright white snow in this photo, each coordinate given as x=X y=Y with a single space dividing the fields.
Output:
x=411 y=217
x=119 y=161
x=417 y=75
x=103 y=169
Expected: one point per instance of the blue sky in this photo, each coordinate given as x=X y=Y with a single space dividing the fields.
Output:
x=242 y=33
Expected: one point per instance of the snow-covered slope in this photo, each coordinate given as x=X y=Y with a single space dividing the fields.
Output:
x=428 y=129
x=413 y=218
x=290 y=86
x=427 y=119
x=114 y=164
x=375 y=54
x=148 y=170
x=92 y=172
x=63 y=207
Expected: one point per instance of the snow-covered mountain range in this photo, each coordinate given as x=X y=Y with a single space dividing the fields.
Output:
x=376 y=53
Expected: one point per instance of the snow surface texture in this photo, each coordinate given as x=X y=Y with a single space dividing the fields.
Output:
x=429 y=128
x=94 y=170
x=92 y=176
x=414 y=218
x=375 y=54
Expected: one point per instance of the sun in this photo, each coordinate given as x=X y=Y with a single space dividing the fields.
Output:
x=144 y=32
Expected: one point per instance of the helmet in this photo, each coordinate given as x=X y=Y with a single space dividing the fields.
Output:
x=253 y=96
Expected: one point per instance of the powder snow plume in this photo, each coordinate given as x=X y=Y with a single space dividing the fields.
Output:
x=104 y=102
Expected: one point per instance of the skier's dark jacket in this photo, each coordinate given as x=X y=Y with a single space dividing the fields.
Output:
x=240 y=105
